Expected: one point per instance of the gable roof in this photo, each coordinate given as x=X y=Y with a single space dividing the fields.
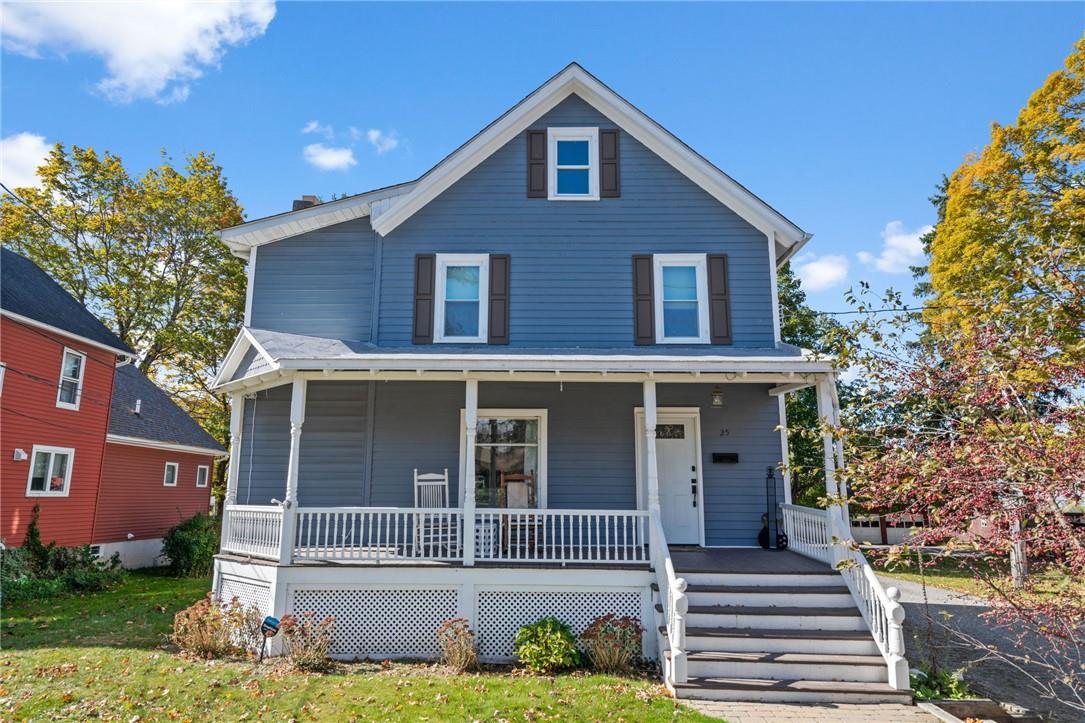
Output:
x=29 y=295
x=159 y=418
x=387 y=212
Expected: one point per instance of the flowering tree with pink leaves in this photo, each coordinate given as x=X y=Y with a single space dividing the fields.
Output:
x=987 y=426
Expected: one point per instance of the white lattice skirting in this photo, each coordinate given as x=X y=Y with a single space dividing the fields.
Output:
x=394 y=613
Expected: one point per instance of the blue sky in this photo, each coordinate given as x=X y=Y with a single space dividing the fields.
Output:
x=842 y=116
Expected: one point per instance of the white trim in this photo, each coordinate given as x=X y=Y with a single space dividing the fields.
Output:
x=663 y=414
x=3 y=373
x=250 y=275
x=699 y=262
x=232 y=360
x=63 y=332
x=785 y=453
x=242 y=238
x=50 y=450
x=562 y=133
x=542 y=415
x=155 y=444
x=176 y=473
x=206 y=475
x=74 y=406
x=444 y=261
x=775 y=290
x=574 y=79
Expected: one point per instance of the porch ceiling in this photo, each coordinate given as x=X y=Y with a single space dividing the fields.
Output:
x=292 y=354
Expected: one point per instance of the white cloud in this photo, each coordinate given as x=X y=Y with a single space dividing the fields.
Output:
x=819 y=273
x=382 y=141
x=20 y=156
x=329 y=158
x=315 y=126
x=900 y=249
x=150 y=49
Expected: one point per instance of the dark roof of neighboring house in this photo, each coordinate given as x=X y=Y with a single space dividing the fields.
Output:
x=28 y=291
x=159 y=418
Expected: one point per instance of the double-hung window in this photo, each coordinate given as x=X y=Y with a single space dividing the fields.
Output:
x=461 y=292
x=202 y=473
x=169 y=477
x=573 y=172
x=681 y=299
x=72 y=369
x=50 y=471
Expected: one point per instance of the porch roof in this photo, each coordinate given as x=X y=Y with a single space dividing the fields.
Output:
x=260 y=353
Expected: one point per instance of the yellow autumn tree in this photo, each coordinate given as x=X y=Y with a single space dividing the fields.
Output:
x=1011 y=247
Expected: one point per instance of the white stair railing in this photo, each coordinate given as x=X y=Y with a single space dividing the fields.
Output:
x=824 y=536
x=808 y=532
x=673 y=600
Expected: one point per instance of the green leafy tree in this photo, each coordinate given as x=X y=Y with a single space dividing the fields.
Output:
x=143 y=255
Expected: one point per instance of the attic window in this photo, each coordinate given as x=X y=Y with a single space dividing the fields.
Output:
x=573 y=172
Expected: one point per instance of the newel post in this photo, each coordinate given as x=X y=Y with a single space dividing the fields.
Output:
x=467 y=474
x=899 y=678
x=290 y=503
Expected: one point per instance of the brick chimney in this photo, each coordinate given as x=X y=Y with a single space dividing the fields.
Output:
x=305 y=202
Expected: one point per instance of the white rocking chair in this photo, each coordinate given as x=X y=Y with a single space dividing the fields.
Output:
x=434 y=533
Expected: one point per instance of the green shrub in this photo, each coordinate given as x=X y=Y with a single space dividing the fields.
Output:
x=192 y=545
x=38 y=570
x=939 y=685
x=613 y=643
x=547 y=646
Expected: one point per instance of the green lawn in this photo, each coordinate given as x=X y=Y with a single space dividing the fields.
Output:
x=105 y=656
x=966 y=574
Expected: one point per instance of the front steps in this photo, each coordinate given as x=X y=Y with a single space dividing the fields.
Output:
x=779 y=637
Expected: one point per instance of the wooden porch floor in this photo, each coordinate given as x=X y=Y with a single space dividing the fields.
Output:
x=739 y=560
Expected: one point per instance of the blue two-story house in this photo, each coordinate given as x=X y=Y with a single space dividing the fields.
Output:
x=545 y=378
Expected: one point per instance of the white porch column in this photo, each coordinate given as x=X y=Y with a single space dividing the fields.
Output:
x=651 y=472
x=467 y=474
x=828 y=413
x=237 y=417
x=290 y=503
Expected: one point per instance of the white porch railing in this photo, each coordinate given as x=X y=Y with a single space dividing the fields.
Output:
x=252 y=530
x=673 y=600
x=561 y=536
x=808 y=532
x=813 y=533
x=377 y=534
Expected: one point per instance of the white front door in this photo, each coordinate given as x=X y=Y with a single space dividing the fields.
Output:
x=676 y=451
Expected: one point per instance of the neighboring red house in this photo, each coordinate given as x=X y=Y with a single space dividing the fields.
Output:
x=157 y=470
x=59 y=366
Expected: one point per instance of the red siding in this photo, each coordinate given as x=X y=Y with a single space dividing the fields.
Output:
x=30 y=416
x=133 y=498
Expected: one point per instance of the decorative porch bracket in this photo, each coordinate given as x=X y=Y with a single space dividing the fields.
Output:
x=467 y=474
x=290 y=503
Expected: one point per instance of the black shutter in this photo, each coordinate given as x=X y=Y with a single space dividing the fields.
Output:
x=424 y=268
x=536 y=164
x=719 y=300
x=609 y=184
x=644 y=311
x=499 y=299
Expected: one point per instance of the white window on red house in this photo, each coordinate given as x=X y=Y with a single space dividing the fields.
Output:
x=50 y=471
x=72 y=369
x=202 y=473
x=169 y=479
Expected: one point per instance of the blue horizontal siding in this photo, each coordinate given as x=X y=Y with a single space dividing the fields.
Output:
x=590 y=439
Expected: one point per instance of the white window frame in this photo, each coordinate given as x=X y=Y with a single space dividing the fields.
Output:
x=591 y=135
x=206 y=475
x=3 y=371
x=79 y=381
x=176 y=474
x=440 y=282
x=540 y=473
x=50 y=450
x=700 y=263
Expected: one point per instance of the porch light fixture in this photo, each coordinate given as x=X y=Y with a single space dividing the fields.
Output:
x=717 y=396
